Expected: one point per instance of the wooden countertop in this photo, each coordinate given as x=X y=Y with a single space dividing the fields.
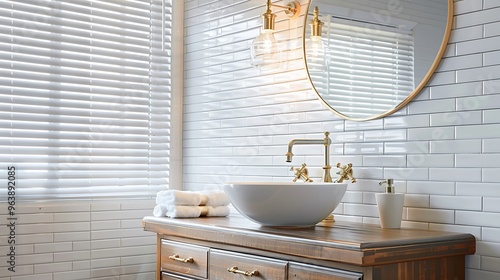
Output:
x=351 y=243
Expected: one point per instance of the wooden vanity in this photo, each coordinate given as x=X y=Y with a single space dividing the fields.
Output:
x=235 y=248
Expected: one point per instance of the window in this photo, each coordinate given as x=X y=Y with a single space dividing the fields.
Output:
x=85 y=97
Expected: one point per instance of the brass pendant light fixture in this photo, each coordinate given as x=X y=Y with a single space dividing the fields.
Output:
x=265 y=50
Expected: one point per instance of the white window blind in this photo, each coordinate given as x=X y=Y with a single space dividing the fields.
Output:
x=85 y=97
x=370 y=70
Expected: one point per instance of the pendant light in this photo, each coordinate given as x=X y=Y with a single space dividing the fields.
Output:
x=265 y=50
x=315 y=48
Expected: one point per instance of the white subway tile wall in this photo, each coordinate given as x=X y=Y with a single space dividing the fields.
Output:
x=443 y=149
x=69 y=240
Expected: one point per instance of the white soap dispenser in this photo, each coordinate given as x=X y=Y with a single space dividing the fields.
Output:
x=390 y=205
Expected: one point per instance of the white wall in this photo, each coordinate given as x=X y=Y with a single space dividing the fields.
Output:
x=69 y=240
x=442 y=149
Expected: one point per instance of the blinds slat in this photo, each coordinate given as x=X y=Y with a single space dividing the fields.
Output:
x=85 y=97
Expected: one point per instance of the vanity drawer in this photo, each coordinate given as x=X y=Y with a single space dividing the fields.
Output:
x=255 y=267
x=298 y=271
x=184 y=258
x=169 y=276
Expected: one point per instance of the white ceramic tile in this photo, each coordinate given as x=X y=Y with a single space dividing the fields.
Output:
x=491 y=234
x=52 y=267
x=478 y=189
x=481 y=274
x=417 y=200
x=366 y=125
x=491 y=174
x=384 y=160
x=467 y=33
x=455 y=146
x=53 y=247
x=467 y=6
x=492 y=58
x=363 y=148
x=478 y=102
x=81 y=265
x=476 y=231
x=491 y=146
x=135 y=260
x=472 y=203
x=491 y=204
x=478 y=160
x=360 y=210
x=431 y=215
x=407 y=173
x=123 y=251
x=480 y=73
x=431 y=133
x=442 y=78
x=385 y=135
x=456 y=118
x=488 y=248
x=455 y=174
x=478 y=131
x=475 y=218
x=430 y=188
x=414 y=147
x=431 y=106
x=491 y=116
x=476 y=18
x=490 y=263
x=491 y=4
x=439 y=160
x=461 y=62
x=406 y=121
x=72 y=275
x=456 y=90
x=108 y=262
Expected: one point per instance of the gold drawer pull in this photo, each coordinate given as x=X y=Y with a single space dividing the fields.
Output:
x=235 y=269
x=176 y=258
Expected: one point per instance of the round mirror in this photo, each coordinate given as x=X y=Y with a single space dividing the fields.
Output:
x=367 y=59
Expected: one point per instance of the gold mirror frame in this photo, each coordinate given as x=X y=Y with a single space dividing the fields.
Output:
x=413 y=94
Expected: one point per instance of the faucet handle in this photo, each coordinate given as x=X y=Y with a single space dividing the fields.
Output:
x=345 y=172
x=301 y=172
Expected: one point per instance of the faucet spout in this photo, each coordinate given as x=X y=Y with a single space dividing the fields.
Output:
x=325 y=141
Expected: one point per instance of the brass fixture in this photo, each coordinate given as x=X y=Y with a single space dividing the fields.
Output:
x=345 y=173
x=325 y=141
x=235 y=270
x=301 y=172
x=177 y=258
x=264 y=49
x=316 y=24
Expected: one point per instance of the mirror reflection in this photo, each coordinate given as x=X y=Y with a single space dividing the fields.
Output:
x=367 y=59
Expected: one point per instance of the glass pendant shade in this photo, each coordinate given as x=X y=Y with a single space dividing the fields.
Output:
x=265 y=49
x=316 y=54
x=315 y=48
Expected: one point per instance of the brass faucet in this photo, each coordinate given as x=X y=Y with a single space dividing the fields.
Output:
x=325 y=141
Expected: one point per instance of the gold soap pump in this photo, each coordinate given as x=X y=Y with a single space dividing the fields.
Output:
x=390 y=205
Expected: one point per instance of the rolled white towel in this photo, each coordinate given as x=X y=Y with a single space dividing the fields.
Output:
x=218 y=211
x=182 y=211
x=160 y=210
x=190 y=198
x=175 y=197
x=216 y=198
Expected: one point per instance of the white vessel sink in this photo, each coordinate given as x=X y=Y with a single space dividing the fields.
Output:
x=285 y=204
